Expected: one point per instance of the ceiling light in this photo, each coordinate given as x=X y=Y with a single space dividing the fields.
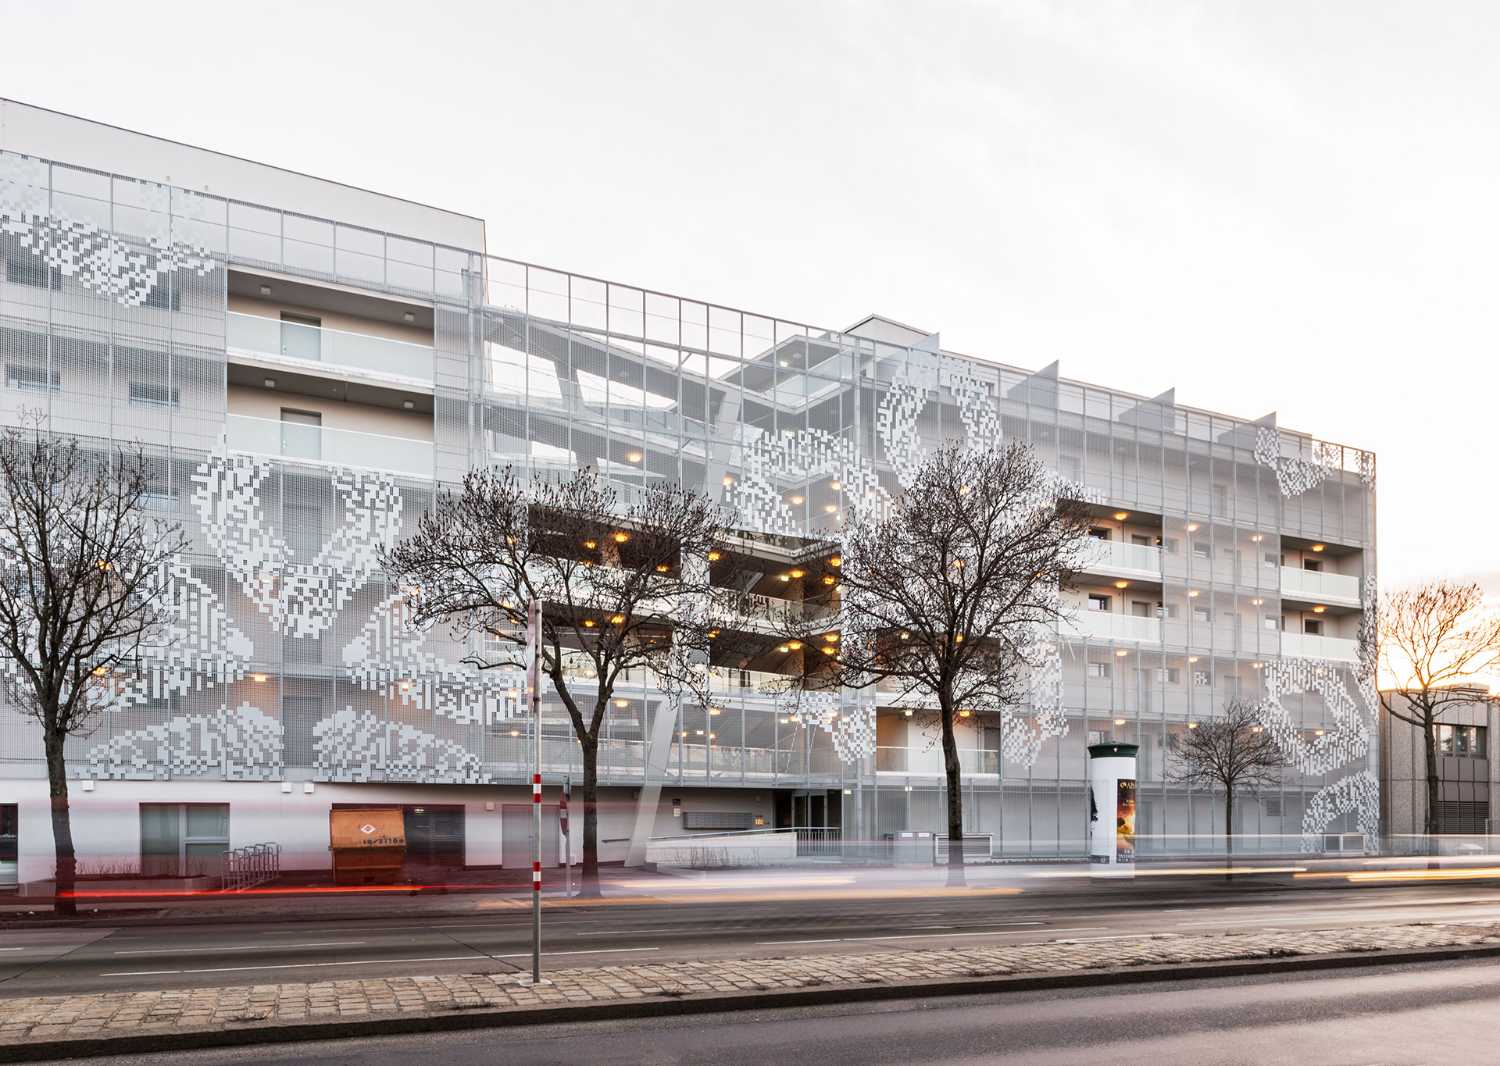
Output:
x=621 y=538
x=714 y=556
x=829 y=649
x=829 y=579
x=515 y=732
x=265 y=290
x=588 y=623
x=783 y=577
x=1257 y=602
x=1120 y=516
x=270 y=383
x=662 y=568
x=715 y=711
x=1255 y=729
x=830 y=508
x=1192 y=527
x=1121 y=653
x=728 y=480
x=633 y=457
x=1319 y=547
x=617 y=619
x=964 y=713
x=1122 y=584
x=837 y=560
x=783 y=649
x=834 y=485
x=259 y=679
x=1192 y=725
x=1257 y=538
x=785 y=362
x=794 y=644
x=832 y=638
x=1192 y=658
x=1319 y=609
x=907 y=712
x=1192 y=594
x=622 y=703
x=798 y=573
x=797 y=500
x=407 y=316
x=1119 y=721
x=591 y=544
x=408 y=405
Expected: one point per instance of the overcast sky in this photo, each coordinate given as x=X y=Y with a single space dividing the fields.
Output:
x=1270 y=206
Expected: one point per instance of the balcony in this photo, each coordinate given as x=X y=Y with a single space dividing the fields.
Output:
x=1319 y=586
x=1106 y=625
x=1312 y=646
x=321 y=444
x=1129 y=560
x=297 y=344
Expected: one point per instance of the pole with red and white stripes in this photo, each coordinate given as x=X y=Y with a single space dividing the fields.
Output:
x=534 y=683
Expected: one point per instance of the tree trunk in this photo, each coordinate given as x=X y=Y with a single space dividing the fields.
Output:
x=1429 y=744
x=955 y=799
x=1228 y=832
x=589 y=870
x=62 y=826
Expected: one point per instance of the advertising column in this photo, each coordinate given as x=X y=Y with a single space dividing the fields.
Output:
x=1112 y=809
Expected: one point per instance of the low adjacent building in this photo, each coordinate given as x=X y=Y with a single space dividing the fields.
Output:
x=1468 y=768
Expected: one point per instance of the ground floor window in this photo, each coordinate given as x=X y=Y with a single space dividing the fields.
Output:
x=10 y=823
x=183 y=839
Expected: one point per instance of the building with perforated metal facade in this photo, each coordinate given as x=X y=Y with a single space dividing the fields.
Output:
x=306 y=361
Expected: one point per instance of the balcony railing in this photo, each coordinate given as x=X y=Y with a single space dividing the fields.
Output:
x=1113 y=555
x=929 y=762
x=321 y=444
x=1314 y=646
x=1319 y=585
x=259 y=335
x=1106 y=625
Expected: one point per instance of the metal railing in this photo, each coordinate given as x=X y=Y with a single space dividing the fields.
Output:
x=325 y=444
x=251 y=865
x=261 y=335
x=1319 y=585
x=819 y=842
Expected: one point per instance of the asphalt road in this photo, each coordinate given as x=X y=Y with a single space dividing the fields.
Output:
x=1435 y=1013
x=733 y=924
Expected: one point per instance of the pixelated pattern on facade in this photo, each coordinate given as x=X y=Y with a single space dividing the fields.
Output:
x=241 y=743
x=1295 y=475
x=95 y=257
x=388 y=658
x=302 y=599
x=1358 y=793
x=357 y=746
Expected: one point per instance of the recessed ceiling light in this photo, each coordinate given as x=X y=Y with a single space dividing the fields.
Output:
x=265 y=290
x=408 y=316
x=408 y=404
x=270 y=383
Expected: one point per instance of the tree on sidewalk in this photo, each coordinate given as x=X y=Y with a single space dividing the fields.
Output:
x=1233 y=752
x=1433 y=640
x=622 y=589
x=83 y=580
x=952 y=594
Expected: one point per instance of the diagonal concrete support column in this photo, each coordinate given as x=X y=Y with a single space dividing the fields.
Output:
x=658 y=750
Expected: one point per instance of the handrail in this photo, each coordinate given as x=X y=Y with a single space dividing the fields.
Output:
x=251 y=865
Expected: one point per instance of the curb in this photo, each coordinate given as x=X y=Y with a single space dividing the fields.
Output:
x=374 y=1025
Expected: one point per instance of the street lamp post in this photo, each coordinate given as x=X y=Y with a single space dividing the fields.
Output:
x=534 y=684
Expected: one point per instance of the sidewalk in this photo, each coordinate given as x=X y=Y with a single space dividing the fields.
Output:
x=42 y=1027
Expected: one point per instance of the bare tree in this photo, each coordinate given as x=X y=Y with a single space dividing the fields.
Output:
x=83 y=576
x=1434 y=639
x=621 y=588
x=1233 y=752
x=952 y=593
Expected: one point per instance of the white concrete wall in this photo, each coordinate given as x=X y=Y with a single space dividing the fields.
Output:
x=337 y=414
x=272 y=309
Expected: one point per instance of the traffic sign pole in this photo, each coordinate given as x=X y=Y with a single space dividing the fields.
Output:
x=534 y=683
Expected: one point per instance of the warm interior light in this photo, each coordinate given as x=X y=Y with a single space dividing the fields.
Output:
x=1319 y=547
x=715 y=711
x=633 y=457
x=1192 y=658
x=621 y=537
x=662 y=568
x=832 y=638
x=905 y=635
x=1255 y=729
x=1120 y=516
x=1317 y=732
x=1192 y=593
x=588 y=623
x=794 y=644
x=1121 y=653
x=728 y=480
x=1192 y=527
x=515 y=732
x=837 y=560
x=797 y=501
x=713 y=634
x=798 y=573
x=1257 y=666
x=829 y=649
x=618 y=619
x=1319 y=609
x=622 y=703
x=835 y=485
x=1257 y=538
x=1192 y=725
x=591 y=544
x=1122 y=584
x=1257 y=602
x=830 y=508
x=907 y=712
x=714 y=556
x=783 y=577
x=259 y=679
x=964 y=713
x=958 y=639
x=1119 y=721
x=829 y=579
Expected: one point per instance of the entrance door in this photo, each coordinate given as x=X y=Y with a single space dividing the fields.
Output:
x=10 y=823
x=515 y=836
x=435 y=835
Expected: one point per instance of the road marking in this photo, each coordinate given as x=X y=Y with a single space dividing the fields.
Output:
x=822 y=940
x=922 y=936
x=1118 y=936
x=245 y=947
x=295 y=966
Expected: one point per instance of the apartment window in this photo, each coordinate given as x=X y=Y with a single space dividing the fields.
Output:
x=1168 y=675
x=1273 y=559
x=1313 y=626
x=154 y=395
x=32 y=378
x=1098 y=602
x=1144 y=540
x=1464 y=741
x=1271 y=805
x=301 y=336
x=1202 y=550
x=1270 y=621
x=1167 y=610
x=1315 y=565
x=1098 y=669
x=1142 y=608
x=1170 y=545
x=301 y=433
x=1200 y=679
x=1099 y=532
x=183 y=839
x=1203 y=614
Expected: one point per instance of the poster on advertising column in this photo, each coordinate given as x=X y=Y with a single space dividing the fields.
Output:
x=1125 y=820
